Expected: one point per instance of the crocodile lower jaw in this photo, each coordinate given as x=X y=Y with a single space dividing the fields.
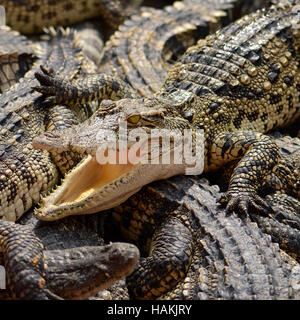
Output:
x=91 y=187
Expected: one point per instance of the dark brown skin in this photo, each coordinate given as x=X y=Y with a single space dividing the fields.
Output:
x=34 y=273
x=193 y=250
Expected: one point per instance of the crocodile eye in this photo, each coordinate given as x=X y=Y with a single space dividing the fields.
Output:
x=134 y=119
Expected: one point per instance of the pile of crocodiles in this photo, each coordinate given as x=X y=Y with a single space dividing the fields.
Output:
x=71 y=71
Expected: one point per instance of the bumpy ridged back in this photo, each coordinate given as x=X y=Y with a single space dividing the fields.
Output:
x=26 y=172
x=245 y=76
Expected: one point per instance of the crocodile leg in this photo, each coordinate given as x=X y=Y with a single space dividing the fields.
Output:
x=259 y=156
x=169 y=260
x=281 y=192
x=81 y=90
x=285 y=176
x=24 y=262
x=166 y=233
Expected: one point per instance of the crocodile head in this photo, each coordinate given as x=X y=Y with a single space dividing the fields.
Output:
x=112 y=171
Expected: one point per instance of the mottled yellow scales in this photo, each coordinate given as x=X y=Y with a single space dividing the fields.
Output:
x=33 y=15
x=236 y=85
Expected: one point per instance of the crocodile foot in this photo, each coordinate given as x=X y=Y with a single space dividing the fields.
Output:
x=244 y=202
x=49 y=86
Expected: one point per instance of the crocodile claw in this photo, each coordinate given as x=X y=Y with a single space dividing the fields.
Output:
x=243 y=203
x=46 y=77
x=50 y=86
x=49 y=72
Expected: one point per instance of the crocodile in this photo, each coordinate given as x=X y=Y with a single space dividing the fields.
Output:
x=45 y=262
x=25 y=172
x=50 y=266
x=31 y=16
x=236 y=85
x=191 y=249
x=145 y=46
x=16 y=57
x=198 y=18
x=291 y=294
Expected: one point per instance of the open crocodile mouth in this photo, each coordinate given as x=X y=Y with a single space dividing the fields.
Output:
x=92 y=176
x=92 y=186
x=88 y=188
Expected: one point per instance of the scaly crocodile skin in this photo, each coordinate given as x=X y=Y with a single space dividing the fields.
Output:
x=35 y=273
x=192 y=250
x=236 y=85
x=25 y=172
x=31 y=16
x=16 y=57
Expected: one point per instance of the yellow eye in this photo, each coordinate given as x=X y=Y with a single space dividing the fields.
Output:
x=134 y=119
